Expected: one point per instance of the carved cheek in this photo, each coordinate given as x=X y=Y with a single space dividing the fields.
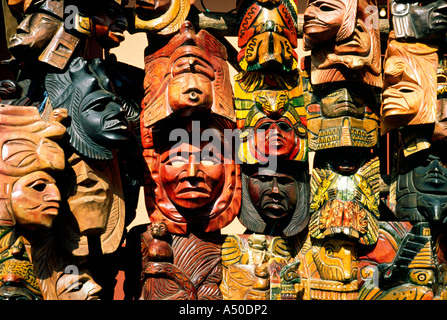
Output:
x=170 y=176
x=214 y=176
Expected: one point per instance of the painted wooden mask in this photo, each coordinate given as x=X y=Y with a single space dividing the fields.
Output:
x=275 y=202
x=345 y=196
x=194 y=185
x=268 y=35
x=188 y=75
x=97 y=122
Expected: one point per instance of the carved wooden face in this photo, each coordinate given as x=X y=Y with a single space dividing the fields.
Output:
x=344 y=100
x=273 y=194
x=275 y=201
x=409 y=94
x=191 y=85
x=77 y=286
x=324 y=19
x=349 y=48
x=272 y=123
x=194 y=184
x=191 y=180
x=275 y=137
x=422 y=186
x=187 y=76
x=103 y=118
x=98 y=122
x=90 y=200
x=267 y=36
x=109 y=24
x=33 y=35
x=35 y=200
x=431 y=176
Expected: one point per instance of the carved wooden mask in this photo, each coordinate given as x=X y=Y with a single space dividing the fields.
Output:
x=97 y=122
x=272 y=123
x=194 y=185
x=344 y=40
x=421 y=188
x=419 y=20
x=28 y=194
x=188 y=75
x=340 y=115
x=275 y=202
x=412 y=275
x=268 y=35
x=409 y=91
x=41 y=35
x=163 y=17
x=345 y=196
x=333 y=267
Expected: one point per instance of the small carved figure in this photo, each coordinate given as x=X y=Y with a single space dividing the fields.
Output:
x=158 y=247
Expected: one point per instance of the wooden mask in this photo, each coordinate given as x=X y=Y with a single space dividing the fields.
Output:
x=97 y=122
x=345 y=196
x=419 y=20
x=409 y=91
x=268 y=35
x=275 y=202
x=188 y=75
x=29 y=195
x=422 y=186
x=272 y=123
x=340 y=115
x=344 y=40
x=163 y=17
x=41 y=36
x=193 y=185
